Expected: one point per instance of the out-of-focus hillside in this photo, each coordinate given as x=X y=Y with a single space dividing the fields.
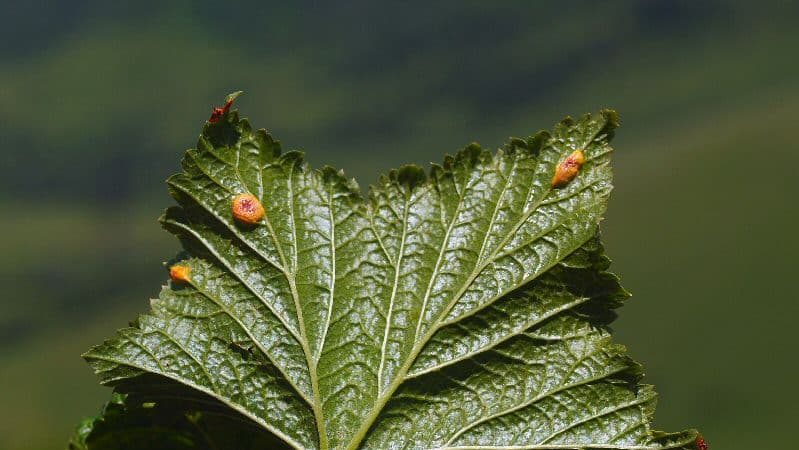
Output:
x=98 y=101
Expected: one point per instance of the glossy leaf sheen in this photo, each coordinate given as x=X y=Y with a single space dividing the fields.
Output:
x=461 y=309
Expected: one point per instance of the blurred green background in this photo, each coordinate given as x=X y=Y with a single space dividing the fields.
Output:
x=98 y=100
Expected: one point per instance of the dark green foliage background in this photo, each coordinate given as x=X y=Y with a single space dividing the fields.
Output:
x=97 y=102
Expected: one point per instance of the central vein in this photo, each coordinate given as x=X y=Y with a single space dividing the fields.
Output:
x=393 y=295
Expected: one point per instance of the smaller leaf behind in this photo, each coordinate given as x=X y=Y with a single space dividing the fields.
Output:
x=175 y=420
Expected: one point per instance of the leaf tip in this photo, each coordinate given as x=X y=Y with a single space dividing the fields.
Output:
x=612 y=118
x=233 y=96
x=411 y=176
x=337 y=177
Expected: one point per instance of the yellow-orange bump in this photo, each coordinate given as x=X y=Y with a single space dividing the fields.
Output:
x=568 y=169
x=247 y=209
x=180 y=274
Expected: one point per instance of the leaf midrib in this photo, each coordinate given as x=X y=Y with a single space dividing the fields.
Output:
x=309 y=358
x=397 y=269
x=332 y=287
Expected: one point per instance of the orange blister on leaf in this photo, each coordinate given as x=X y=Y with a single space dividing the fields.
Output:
x=180 y=274
x=568 y=169
x=247 y=209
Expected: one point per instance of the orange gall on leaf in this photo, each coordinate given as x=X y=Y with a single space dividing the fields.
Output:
x=180 y=274
x=568 y=169
x=247 y=209
x=701 y=444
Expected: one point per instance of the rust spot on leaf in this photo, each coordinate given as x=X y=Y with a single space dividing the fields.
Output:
x=247 y=209
x=180 y=274
x=568 y=169
x=701 y=444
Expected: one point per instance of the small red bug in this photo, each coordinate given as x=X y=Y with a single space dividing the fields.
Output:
x=247 y=209
x=217 y=113
x=701 y=444
x=568 y=169
x=180 y=274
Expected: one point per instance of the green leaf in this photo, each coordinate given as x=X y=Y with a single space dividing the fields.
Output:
x=466 y=308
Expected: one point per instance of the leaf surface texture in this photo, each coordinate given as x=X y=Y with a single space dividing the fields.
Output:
x=464 y=308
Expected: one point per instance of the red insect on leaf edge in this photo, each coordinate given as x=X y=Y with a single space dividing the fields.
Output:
x=217 y=113
x=701 y=444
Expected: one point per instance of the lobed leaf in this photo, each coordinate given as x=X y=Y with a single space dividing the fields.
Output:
x=466 y=308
